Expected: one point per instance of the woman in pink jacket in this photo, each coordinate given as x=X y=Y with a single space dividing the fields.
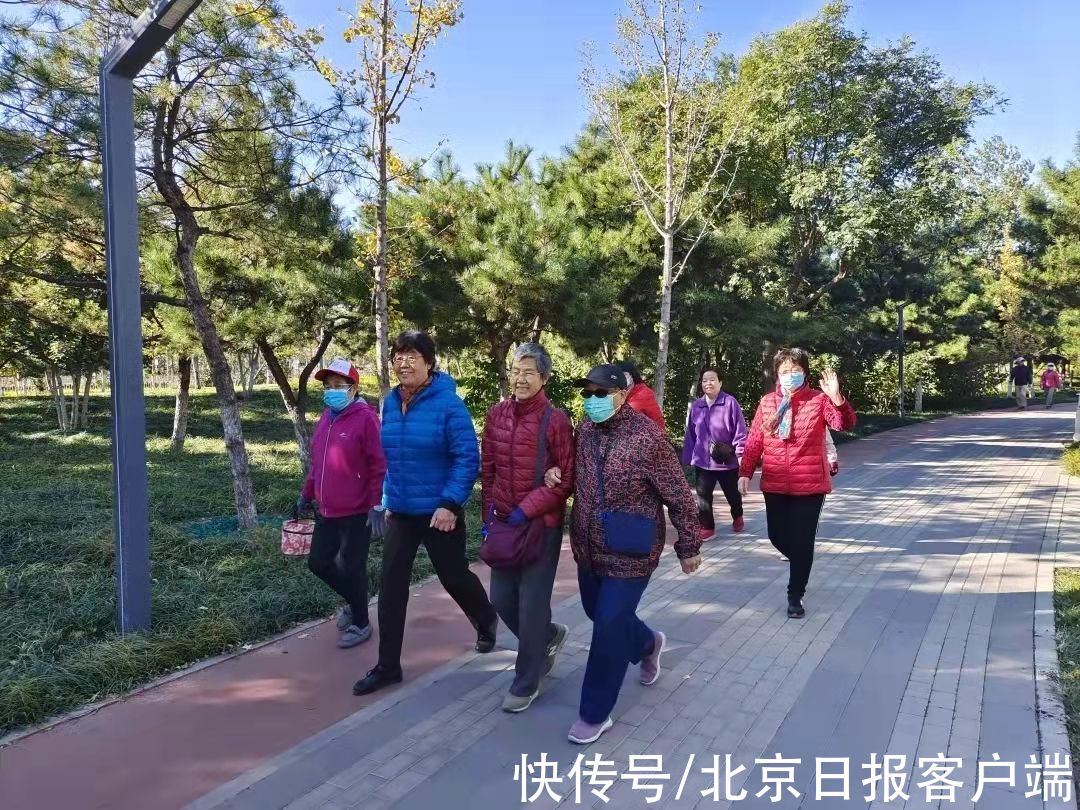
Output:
x=345 y=480
x=1051 y=382
x=788 y=436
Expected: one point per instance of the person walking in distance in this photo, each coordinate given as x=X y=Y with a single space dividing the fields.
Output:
x=626 y=471
x=345 y=480
x=788 y=436
x=639 y=395
x=433 y=460
x=1050 y=382
x=523 y=437
x=714 y=444
x=1021 y=378
x=832 y=458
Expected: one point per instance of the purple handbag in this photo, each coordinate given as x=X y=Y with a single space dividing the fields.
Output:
x=509 y=546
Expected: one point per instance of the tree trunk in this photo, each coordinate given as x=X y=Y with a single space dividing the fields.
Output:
x=537 y=332
x=498 y=364
x=382 y=299
x=254 y=366
x=243 y=492
x=292 y=407
x=183 y=405
x=308 y=370
x=73 y=412
x=56 y=388
x=767 y=351
x=84 y=412
x=665 y=318
x=195 y=372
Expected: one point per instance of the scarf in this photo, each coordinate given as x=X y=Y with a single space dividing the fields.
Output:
x=408 y=395
x=781 y=420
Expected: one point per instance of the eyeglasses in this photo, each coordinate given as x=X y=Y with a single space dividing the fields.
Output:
x=523 y=373
x=587 y=393
x=406 y=360
x=337 y=386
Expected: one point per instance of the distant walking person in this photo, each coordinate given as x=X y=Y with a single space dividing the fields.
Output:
x=345 y=480
x=1021 y=378
x=433 y=460
x=831 y=456
x=1050 y=382
x=714 y=444
x=788 y=436
x=626 y=472
x=514 y=457
x=640 y=396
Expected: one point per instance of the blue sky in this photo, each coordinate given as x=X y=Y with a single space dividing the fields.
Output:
x=510 y=69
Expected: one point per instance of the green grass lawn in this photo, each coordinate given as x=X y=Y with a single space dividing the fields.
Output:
x=58 y=648
x=1071 y=459
x=1067 y=610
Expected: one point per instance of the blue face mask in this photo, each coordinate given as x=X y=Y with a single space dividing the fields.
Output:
x=600 y=409
x=792 y=381
x=336 y=399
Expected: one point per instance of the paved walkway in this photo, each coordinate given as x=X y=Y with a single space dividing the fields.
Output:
x=929 y=631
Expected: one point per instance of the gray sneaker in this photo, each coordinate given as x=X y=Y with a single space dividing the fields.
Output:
x=344 y=618
x=515 y=704
x=556 y=645
x=353 y=635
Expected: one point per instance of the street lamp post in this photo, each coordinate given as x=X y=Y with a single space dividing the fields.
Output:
x=131 y=513
x=900 y=355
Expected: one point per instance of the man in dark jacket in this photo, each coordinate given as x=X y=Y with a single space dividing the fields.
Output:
x=1021 y=378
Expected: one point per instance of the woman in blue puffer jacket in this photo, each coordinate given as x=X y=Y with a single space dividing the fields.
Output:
x=432 y=462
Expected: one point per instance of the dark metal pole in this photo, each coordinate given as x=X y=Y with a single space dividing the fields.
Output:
x=900 y=355
x=131 y=519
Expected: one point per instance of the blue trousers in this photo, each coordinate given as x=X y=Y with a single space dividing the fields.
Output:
x=619 y=638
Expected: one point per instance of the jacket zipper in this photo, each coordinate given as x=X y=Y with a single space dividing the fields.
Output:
x=326 y=447
x=513 y=455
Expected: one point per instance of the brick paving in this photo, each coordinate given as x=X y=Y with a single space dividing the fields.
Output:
x=929 y=631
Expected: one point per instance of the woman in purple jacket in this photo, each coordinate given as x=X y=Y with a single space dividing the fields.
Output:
x=715 y=438
x=345 y=479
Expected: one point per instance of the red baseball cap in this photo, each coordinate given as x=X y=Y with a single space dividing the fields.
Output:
x=341 y=367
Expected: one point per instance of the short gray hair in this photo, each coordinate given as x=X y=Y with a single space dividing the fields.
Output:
x=538 y=353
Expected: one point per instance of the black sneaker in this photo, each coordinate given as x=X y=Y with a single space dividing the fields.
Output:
x=795 y=609
x=485 y=637
x=378 y=678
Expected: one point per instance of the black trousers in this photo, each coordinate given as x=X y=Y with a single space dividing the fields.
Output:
x=339 y=555
x=404 y=536
x=792 y=522
x=706 y=484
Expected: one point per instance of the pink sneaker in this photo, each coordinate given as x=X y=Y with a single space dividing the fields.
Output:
x=650 y=664
x=738 y=524
x=706 y=534
x=584 y=733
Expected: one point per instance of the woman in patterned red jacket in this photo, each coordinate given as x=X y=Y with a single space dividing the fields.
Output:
x=626 y=471
x=788 y=436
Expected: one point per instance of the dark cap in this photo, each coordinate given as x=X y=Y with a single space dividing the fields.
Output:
x=606 y=376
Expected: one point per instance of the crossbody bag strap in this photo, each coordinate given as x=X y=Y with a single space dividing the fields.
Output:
x=541 y=447
x=599 y=469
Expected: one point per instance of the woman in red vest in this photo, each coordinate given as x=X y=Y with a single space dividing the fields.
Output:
x=788 y=436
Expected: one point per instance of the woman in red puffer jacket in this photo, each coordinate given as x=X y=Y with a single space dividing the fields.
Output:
x=788 y=436
x=513 y=492
x=639 y=396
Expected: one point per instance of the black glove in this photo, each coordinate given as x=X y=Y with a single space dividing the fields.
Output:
x=303 y=505
x=722 y=453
